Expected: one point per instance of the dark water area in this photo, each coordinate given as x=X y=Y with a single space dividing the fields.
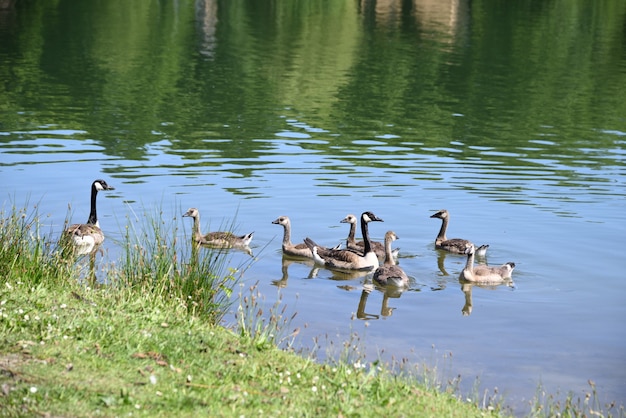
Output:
x=510 y=115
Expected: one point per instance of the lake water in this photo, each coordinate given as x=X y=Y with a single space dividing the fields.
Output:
x=512 y=117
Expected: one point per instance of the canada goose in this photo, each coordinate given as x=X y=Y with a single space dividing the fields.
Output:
x=297 y=250
x=353 y=244
x=454 y=245
x=348 y=259
x=483 y=273
x=217 y=239
x=389 y=273
x=88 y=236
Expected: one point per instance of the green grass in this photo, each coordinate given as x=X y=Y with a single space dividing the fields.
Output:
x=85 y=352
x=147 y=343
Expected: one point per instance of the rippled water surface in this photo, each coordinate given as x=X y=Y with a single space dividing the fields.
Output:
x=250 y=114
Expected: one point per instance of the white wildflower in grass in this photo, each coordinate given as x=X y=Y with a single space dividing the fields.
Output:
x=26 y=317
x=298 y=375
x=33 y=389
x=63 y=306
x=9 y=285
x=153 y=379
x=3 y=302
x=314 y=388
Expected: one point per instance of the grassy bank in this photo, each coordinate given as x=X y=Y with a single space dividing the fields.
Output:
x=147 y=343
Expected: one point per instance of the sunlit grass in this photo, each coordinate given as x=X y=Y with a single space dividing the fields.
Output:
x=264 y=329
x=26 y=252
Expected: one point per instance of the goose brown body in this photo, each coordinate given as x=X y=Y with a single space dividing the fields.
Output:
x=485 y=274
x=353 y=244
x=220 y=239
x=348 y=259
x=85 y=238
x=296 y=250
x=390 y=273
x=453 y=245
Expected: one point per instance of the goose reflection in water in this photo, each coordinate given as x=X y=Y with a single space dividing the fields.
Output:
x=466 y=288
x=195 y=247
x=389 y=292
x=288 y=261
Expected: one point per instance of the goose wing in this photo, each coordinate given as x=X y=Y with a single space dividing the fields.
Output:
x=454 y=245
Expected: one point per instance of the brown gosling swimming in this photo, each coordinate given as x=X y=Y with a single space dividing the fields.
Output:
x=485 y=274
x=390 y=273
x=296 y=250
x=85 y=238
x=453 y=245
x=216 y=239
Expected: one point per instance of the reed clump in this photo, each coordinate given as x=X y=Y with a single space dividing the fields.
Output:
x=154 y=262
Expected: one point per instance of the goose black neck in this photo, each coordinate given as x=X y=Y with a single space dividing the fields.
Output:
x=442 y=230
x=93 y=216
x=367 y=247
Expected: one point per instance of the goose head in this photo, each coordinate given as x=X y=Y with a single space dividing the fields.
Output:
x=442 y=214
x=370 y=217
x=191 y=213
x=102 y=185
x=391 y=236
x=349 y=219
x=281 y=220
